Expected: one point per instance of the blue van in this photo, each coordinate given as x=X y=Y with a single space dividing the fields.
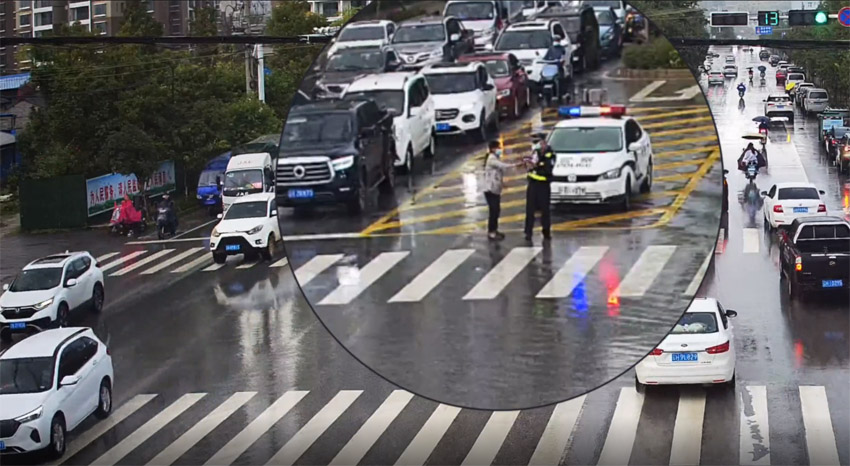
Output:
x=209 y=193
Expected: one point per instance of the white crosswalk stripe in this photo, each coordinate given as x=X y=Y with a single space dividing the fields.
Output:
x=315 y=266
x=199 y=262
x=503 y=273
x=573 y=272
x=162 y=265
x=553 y=444
x=281 y=263
x=432 y=276
x=641 y=276
x=370 y=273
x=122 y=260
x=147 y=260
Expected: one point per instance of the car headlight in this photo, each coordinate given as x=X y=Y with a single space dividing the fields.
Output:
x=437 y=53
x=255 y=230
x=199 y=196
x=43 y=304
x=30 y=416
x=215 y=233
x=505 y=93
x=343 y=163
x=467 y=107
x=611 y=174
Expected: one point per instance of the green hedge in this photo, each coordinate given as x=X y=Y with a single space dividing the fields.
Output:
x=656 y=54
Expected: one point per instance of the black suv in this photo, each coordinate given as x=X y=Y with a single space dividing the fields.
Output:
x=334 y=152
x=583 y=29
x=348 y=64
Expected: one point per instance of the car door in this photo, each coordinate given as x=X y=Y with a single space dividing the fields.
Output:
x=428 y=112
x=489 y=95
x=90 y=374
x=770 y=201
x=635 y=135
x=73 y=294
x=85 y=279
x=72 y=398
x=420 y=129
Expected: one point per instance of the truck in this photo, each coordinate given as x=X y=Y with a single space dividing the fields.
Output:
x=209 y=183
x=247 y=174
x=814 y=255
x=829 y=118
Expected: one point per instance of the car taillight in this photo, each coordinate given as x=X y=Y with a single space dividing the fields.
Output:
x=107 y=352
x=777 y=209
x=821 y=208
x=718 y=349
x=655 y=352
x=798 y=264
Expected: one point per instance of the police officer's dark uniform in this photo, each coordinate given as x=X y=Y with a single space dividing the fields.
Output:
x=539 y=193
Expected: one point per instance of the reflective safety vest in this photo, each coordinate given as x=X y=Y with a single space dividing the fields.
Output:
x=542 y=170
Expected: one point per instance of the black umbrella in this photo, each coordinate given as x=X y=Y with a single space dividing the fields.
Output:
x=762 y=68
x=761 y=119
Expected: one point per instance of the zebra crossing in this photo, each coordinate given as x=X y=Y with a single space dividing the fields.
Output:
x=152 y=429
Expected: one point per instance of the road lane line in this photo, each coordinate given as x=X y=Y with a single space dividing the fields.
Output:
x=755 y=431
x=644 y=272
x=214 y=267
x=693 y=287
x=105 y=256
x=751 y=240
x=682 y=142
x=281 y=263
x=432 y=276
x=318 y=264
x=820 y=435
x=179 y=447
x=368 y=434
x=140 y=435
x=122 y=260
x=141 y=263
x=369 y=274
x=102 y=427
x=307 y=435
x=553 y=443
x=420 y=448
x=573 y=272
x=503 y=273
x=692 y=129
x=622 y=431
x=173 y=260
x=203 y=260
x=687 y=430
x=247 y=265
x=243 y=440
x=678 y=122
x=489 y=442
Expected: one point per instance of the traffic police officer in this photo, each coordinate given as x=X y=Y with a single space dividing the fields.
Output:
x=539 y=192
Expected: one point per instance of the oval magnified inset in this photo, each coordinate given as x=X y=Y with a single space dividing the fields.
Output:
x=434 y=285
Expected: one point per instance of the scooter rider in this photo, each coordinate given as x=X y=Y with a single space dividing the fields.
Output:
x=168 y=203
x=749 y=156
x=557 y=53
x=742 y=89
x=751 y=75
x=538 y=195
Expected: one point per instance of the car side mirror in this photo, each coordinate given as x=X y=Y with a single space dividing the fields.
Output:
x=273 y=213
x=731 y=313
x=219 y=216
x=72 y=282
x=69 y=380
x=488 y=87
x=5 y=287
x=725 y=172
x=393 y=64
x=822 y=191
x=764 y=193
x=454 y=37
x=633 y=147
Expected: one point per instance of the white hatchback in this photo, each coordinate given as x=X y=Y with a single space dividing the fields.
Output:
x=786 y=201
x=49 y=384
x=699 y=350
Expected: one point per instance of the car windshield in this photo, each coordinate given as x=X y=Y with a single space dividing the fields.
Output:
x=695 y=322
x=604 y=18
x=524 y=40
x=355 y=60
x=361 y=33
x=208 y=178
x=391 y=101
x=497 y=68
x=37 y=279
x=798 y=193
x=796 y=77
x=599 y=139
x=419 y=33
x=817 y=95
x=243 y=181
x=471 y=10
x=825 y=246
x=451 y=83
x=25 y=375
x=254 y=209
x=779 y=99
x=315 y=128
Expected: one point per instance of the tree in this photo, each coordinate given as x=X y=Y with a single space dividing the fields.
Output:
x=205 y=23
x=347 y=16
x=138 y=22
x=293 y=18
x=678 y=18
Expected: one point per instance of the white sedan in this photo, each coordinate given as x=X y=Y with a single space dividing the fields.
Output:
x=699 y=350
x=786 y=201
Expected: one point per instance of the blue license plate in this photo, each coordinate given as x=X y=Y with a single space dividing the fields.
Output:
x=231 y=247
x=443 y=127
x=684 y=357
x=780 y=106
x=301 y=193
x=17 y=325
x=801 y=210
x=2 y=445
x=832 y=283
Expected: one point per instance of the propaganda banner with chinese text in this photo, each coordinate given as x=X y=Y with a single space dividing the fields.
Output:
x=104 y=191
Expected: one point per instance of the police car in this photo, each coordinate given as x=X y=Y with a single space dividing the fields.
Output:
x=602 y=156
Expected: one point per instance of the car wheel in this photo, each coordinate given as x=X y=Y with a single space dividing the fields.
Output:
x=97 y=298
x=62 y=315
x=481 y=133
x=731 y=382
x=358 y=205
x=516 y=112
x=626 y=203
x=791 y=288
x=639 y=387
x=270 y=250
x=431 y=150
x=646 y=186
x=219 y=258
x=56 y=448
x=407 y=168
x=104 y=400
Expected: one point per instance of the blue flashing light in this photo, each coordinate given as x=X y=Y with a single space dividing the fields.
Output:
x=569 y=111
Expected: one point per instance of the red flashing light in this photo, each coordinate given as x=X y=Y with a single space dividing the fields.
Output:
x=777 y=209
x=718 y=349
x=612 y=110
x=655 y=352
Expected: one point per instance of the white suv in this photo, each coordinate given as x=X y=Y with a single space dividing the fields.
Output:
x=407 y=97
x=249 y=227
x=779 y=105
x=602 y=156
x=49 y=384
x=530 y=40
x=464 y=98
x=377 y=33
x=47 y=290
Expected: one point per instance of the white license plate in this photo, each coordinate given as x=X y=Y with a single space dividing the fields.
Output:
x=573 y=191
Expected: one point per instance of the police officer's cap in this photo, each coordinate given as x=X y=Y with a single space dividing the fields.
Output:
x=538 y=137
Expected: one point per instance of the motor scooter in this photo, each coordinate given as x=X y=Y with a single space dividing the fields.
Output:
x=550 y=83
x=166 y=222
x=751 y=171
x=127 y=221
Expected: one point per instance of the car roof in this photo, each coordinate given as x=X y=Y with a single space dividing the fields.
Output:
x=384 y=81
x=585 y=122
x=813 y=89
x=43 y=344
x=371 y=22
x=786 y=96
x=248 y=159
x=254 y=198
x=53 y=260
x=461 y=67
x=703 y=305
x=794 y=184
x=531 y=25
x=483 y=56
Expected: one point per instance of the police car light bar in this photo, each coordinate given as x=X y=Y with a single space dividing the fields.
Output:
x=580 y=111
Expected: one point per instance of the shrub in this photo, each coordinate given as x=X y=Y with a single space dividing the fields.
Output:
x=656 y=54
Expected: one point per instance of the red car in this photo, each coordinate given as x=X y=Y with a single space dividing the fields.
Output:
x=511 y=81
x=781 y=73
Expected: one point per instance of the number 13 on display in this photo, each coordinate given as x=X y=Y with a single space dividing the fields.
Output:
x=768 y=18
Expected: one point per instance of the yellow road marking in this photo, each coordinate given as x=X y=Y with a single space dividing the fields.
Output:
x=674 y=153
x=694 y=129
x=686 y=192
x=657 y=116
x=664 y=124
x=552 y=114
x=679 y=142
x=685 y=163
x=681 y=177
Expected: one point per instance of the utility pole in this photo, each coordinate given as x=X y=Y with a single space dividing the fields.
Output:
x=261 y=74
x=248 y=69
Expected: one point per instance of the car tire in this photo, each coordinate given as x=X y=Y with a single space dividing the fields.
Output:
x=270 y=251
x=790 y=288
x=97 y=298
x=646 y=186
x=104 y=400
x=56 y=447
x=358 y=205
x=62 y=315
x=626 y=203
x=219 y=258
x=639 y=387
x=481 y=132
x=407 y=167
x=730 y=384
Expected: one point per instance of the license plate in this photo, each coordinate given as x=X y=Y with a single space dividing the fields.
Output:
x=780 y=106
x=443 y=127
x=573 y=191
x=685 y=357
x=832 y=283
x=17 y=325
x=2 y=445
x=801 y=210
x=300 y=193
x=231 y=247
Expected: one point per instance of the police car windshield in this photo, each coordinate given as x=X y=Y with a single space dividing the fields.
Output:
x=37 y=279
x=590 y=139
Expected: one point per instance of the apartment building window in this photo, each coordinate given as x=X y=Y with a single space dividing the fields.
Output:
x=25 y=20
x=80 y=14
x=22 y=4
x=100 y=28
x=42 y=4
x=330 y=9
x=100 y=9
x=43 y=19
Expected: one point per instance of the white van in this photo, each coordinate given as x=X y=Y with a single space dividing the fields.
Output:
x=486 y=18
x=247 y=174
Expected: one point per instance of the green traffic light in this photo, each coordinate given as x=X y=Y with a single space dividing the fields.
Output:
x=820 y=17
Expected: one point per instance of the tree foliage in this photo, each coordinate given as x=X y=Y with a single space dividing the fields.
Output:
x=293 y=18
x=347 y=16
x=677 y=18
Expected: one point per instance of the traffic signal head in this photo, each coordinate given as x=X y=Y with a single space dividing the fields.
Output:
x=807 y=17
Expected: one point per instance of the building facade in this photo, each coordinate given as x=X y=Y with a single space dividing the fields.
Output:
x=333 y=9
